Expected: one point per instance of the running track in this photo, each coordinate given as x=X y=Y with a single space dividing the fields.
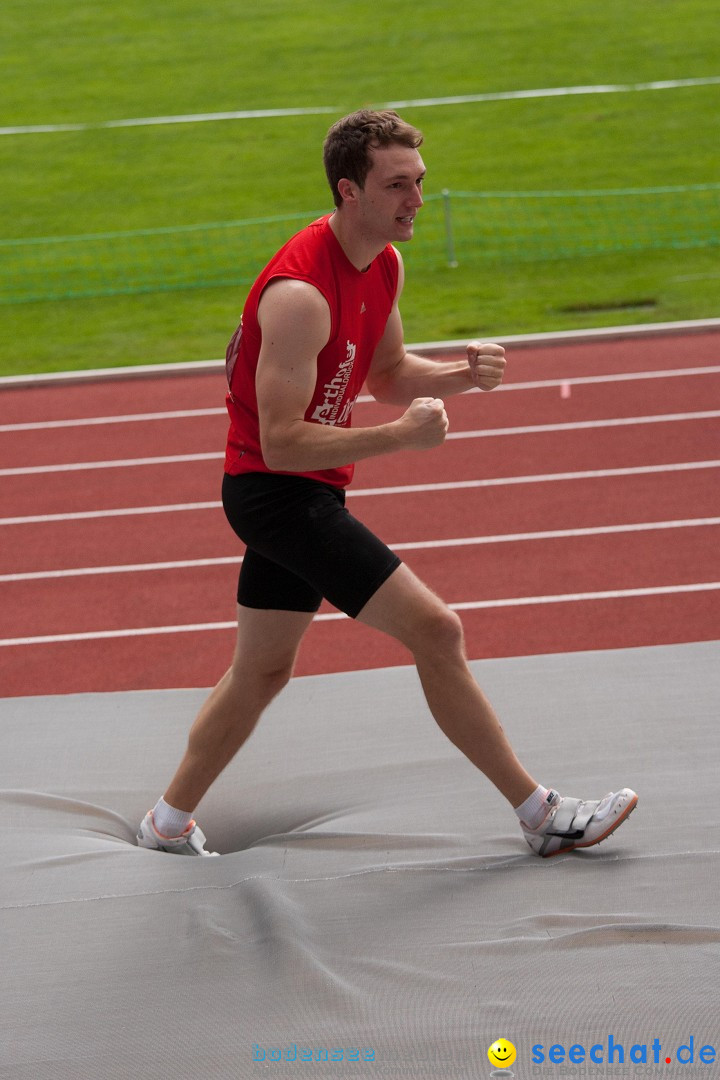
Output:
x=576 y=508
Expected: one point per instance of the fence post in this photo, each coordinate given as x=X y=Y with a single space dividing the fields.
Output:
x=449 y=244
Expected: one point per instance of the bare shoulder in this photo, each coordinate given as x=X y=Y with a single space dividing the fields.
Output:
x=401 y=272
x=398 y=255
x=295 y=324
x=290 y=300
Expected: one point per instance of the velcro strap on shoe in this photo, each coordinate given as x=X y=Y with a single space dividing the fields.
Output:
x=572 y=818
x=196 y=840
x=585 y=814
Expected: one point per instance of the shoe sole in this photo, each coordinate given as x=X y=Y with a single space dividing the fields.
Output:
x=598 y=840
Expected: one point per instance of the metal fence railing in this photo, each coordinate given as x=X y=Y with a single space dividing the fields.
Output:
x=457 y=228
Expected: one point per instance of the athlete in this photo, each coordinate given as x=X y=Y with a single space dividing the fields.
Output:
x=321 y=320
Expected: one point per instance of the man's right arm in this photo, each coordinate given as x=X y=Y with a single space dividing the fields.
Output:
x=295 y=324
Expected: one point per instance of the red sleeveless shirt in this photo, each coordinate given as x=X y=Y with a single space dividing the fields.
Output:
x=360 y=305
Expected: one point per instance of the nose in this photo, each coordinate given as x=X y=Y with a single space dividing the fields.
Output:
x=417 y=199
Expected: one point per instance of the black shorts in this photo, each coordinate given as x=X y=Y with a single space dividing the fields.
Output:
x=302 y=545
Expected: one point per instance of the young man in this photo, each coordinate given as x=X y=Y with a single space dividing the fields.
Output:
x=320 y=321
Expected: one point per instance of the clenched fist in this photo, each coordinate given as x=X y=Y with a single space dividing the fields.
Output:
x=424 y=425
x=487 y=364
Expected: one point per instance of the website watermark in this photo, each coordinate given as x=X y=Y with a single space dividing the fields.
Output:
x=555 y=1060
x=317 y=1054
x=612 y=1052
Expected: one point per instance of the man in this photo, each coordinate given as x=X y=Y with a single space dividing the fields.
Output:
x=320 y=321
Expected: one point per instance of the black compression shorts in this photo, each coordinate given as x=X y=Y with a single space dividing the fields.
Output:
x=302 y=545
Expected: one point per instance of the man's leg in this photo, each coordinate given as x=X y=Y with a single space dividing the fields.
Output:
x=407 y=610
x=267 y=645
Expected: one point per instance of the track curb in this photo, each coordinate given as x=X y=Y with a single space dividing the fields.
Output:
x=212 y=367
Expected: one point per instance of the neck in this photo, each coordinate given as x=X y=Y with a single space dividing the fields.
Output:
x=360 y=250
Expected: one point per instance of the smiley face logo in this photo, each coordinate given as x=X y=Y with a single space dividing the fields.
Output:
x=502 y=1053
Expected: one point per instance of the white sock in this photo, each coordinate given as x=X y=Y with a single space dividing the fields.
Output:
x=534 y=810
x=168 y=821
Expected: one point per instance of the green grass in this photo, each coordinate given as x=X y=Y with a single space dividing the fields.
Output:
x=65 y=62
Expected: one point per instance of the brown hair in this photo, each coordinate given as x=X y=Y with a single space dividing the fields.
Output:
x=346 y=148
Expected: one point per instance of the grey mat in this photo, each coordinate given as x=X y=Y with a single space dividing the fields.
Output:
x=375 y=898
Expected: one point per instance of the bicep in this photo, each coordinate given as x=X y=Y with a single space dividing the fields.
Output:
x=295 y=325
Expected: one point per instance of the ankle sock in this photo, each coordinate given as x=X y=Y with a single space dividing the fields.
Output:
x=534 y=810
x=168 y=821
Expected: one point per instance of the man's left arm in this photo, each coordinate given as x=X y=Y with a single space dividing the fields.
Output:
x=397 y=377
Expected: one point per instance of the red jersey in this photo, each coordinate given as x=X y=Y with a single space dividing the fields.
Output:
x=360 y=304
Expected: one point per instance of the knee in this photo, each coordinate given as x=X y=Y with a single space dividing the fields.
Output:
x=274 y=678
x=439 y=634
x=278 y=676
x=262 y=681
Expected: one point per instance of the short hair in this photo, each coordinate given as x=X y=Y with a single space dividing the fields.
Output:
x=348 y=142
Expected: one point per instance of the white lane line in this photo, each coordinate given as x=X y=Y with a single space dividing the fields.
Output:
x=101 y=635
x=364 y=399
x=470 y=605
x=125 y=511
x=322 y=110
x=539 y=478
x=126 y=568
x=562 y=598
x=404 y=489
x=116 y=463
x=584 y=425
x=554 y=534
x=128 y=418
x=413 y=545
x=486 y=433
x=592 y=380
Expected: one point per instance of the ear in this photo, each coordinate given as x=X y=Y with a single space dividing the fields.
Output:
x=347 y=190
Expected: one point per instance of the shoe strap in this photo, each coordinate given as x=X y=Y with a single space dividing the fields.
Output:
x=572 y=818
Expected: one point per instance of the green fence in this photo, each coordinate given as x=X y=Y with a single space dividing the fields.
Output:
x=457 y=229
x=535 y=226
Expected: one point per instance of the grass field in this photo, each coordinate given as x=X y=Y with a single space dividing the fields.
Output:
x=69 y=63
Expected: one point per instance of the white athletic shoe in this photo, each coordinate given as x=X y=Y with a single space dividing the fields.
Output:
x=572 y=823
x=191 y=842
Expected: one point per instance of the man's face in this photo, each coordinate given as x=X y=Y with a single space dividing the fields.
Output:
x=393 y=193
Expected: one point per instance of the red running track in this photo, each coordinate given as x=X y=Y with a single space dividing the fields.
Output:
x=593 y=471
